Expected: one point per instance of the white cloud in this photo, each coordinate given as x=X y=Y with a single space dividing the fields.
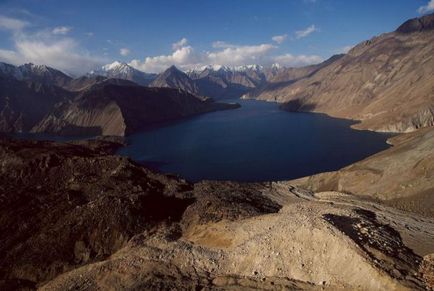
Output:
x=13 y=24
x=124 y=52
x=61 y=54
x=240 y=55
x=89 y=34
x=62 y=30
x=53 y=48
x=42 y=47
x=184 y=57
x=224 y=54
x=179 y=44
x=9 y=56
x=187 y=58
x=305 y=32
x=429 y=7
x=290 y=60
x=279 y=38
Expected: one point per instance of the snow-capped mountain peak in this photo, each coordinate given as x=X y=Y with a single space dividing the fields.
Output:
x=121 y=70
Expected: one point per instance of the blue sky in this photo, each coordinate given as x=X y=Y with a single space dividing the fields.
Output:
x=76 y=36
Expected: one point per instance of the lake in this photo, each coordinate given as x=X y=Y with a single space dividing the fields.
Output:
x=257 y=142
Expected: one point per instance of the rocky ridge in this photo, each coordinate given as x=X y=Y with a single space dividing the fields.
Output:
x=386 y=82
x=119 y=110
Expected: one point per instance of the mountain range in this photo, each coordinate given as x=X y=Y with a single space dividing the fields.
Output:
x=37 y=98
x=217 y=82
x=118 y=70
x=386 y=83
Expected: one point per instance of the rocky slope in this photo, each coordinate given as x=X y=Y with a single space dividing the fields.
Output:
x=84 y=82
x=402 y=176
x=284 y=77
x=35 y=73
x=111 y=224
x=23 y=103
x=174 y=78
x=386 y=82
x=42 y=99
x=120 y=109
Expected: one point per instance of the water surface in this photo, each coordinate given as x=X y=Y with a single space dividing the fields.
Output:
x=257 y=142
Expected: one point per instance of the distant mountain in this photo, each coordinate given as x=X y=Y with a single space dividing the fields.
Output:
x=120 y=70
x=280 y=77
x=217 y=82
x=112 y=109
x=174 y=78
x=37 y=73
x=245 y=76
x=387 y=82
x=42 y=99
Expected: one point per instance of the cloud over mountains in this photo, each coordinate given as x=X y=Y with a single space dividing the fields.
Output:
x=57 y=48
x=186 y=57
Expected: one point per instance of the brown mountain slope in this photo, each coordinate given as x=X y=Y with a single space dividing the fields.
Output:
x=23 y=103
x=286 y=76
x=386 y=82
x=402 y=175
x=174 y=78
x=121 y=109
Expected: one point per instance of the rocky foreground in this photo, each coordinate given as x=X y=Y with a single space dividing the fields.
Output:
x=75 y=216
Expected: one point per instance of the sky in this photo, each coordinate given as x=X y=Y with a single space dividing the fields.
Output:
x=81 y=35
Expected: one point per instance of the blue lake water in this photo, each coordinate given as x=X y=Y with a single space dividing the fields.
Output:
x=257 y=142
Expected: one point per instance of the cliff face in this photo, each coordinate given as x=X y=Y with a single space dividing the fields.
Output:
x=387 y=82
x=110 y=109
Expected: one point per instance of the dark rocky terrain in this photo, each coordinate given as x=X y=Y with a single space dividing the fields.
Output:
x=85 y=204
x=75 y=216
